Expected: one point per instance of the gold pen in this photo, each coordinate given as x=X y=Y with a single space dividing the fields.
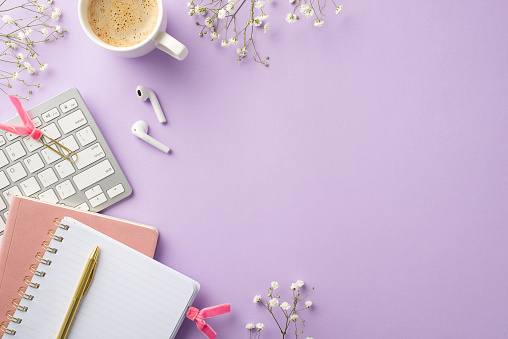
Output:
x=84 y=284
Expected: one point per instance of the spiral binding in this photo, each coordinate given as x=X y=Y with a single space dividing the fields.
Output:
x=22 y=291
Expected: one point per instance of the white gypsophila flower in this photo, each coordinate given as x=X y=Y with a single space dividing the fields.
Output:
x=259 y=4
x=50 y=1
x=234 y=41
x=309 y=338
x=57 y=11
x=229 y=7
x=249 y=326
x=257 y=21
x=21 y=36
x=266 y=27
x=31 y=70
x=208 y=22
x=292 y=1
x=232 y=2
x=273 y=302
x=44 y=67
x=224 y=43
x=290 y=18
x=294 y=286
x=201 y=10
x=263 y=17
x=15 y=75
x=274 y=285
x=58 y=29
x=338 y=9
x=285 y=306
x=28 y=32
x=215 y=35
x=31 y=55
x=190 y=4
x=294 y=317
x=299 y=283
x=319 y=23
x=7 y=19
x=260 y=326
x=192 y=12
x=10 y=44
x=55 y=16
x=27 y=65
x=270 y=0
x=40 y=8
x=308 y=303
x=241 y=52
x=222 y=13
x=306 y=10
x=20 y=57
x=44 y=31
x=257 y=299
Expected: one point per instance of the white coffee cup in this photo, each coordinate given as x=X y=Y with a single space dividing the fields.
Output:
x=157 y=38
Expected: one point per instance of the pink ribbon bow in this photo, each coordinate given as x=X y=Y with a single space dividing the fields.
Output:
x=198 y=316
x=28 y=127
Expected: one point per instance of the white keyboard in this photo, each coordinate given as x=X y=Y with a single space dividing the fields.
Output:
x=92 y=183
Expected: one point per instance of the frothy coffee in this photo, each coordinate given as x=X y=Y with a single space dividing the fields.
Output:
x=122 y=23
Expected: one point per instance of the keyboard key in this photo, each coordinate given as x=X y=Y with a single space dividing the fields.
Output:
x=65 y=189
x=86 y=136
x=51 y=131
x=70 y=143
x=3 y=159
x=37 y=122
x=69 y=105
x=49 y=155
x=64 y=168
x=72 y=121
x=16 y=172
x=33 y=163
x=47 y=177
x=96 y=201
x=15 y=151
x=49 y=196
x=2 y=140
x=93 y=174
x=11 y=136
x=50 y=115
x=30 y=186
x=83 y=207
x=89 y=156
x=4 y=182
x=2 y=205
x=8 y=194
x=115 y=190
x=92 y=192
x=32 y=144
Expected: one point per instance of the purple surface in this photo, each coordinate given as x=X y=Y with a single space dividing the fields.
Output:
x=368 y=160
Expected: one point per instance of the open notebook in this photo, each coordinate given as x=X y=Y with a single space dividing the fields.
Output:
x=131 y=295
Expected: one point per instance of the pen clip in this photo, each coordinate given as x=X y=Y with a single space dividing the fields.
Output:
x=71 y=155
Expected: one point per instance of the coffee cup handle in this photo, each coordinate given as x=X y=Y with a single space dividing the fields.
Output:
x=170 y=45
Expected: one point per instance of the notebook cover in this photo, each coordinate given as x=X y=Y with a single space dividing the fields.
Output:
x=27 y=227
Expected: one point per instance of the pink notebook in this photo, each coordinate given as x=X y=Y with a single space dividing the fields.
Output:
x=27 y=228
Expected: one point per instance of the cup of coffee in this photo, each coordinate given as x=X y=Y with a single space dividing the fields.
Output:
x=130 y=28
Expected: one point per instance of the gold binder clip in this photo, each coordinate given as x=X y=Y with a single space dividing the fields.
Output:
x=71 y=155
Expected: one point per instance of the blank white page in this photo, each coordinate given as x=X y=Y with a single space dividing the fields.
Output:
x=131 y=295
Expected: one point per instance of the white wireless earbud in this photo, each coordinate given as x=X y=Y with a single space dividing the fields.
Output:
x=145 y=93
x=140 y=129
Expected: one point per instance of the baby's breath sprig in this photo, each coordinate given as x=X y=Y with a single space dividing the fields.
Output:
x=290 y=311
x=30 y=26
x=221 y=18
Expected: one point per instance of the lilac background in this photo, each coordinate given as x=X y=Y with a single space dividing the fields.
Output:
x=368 y=160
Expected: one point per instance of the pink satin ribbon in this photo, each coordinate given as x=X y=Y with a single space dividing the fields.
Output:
x=198 y=316
x=28 y=127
